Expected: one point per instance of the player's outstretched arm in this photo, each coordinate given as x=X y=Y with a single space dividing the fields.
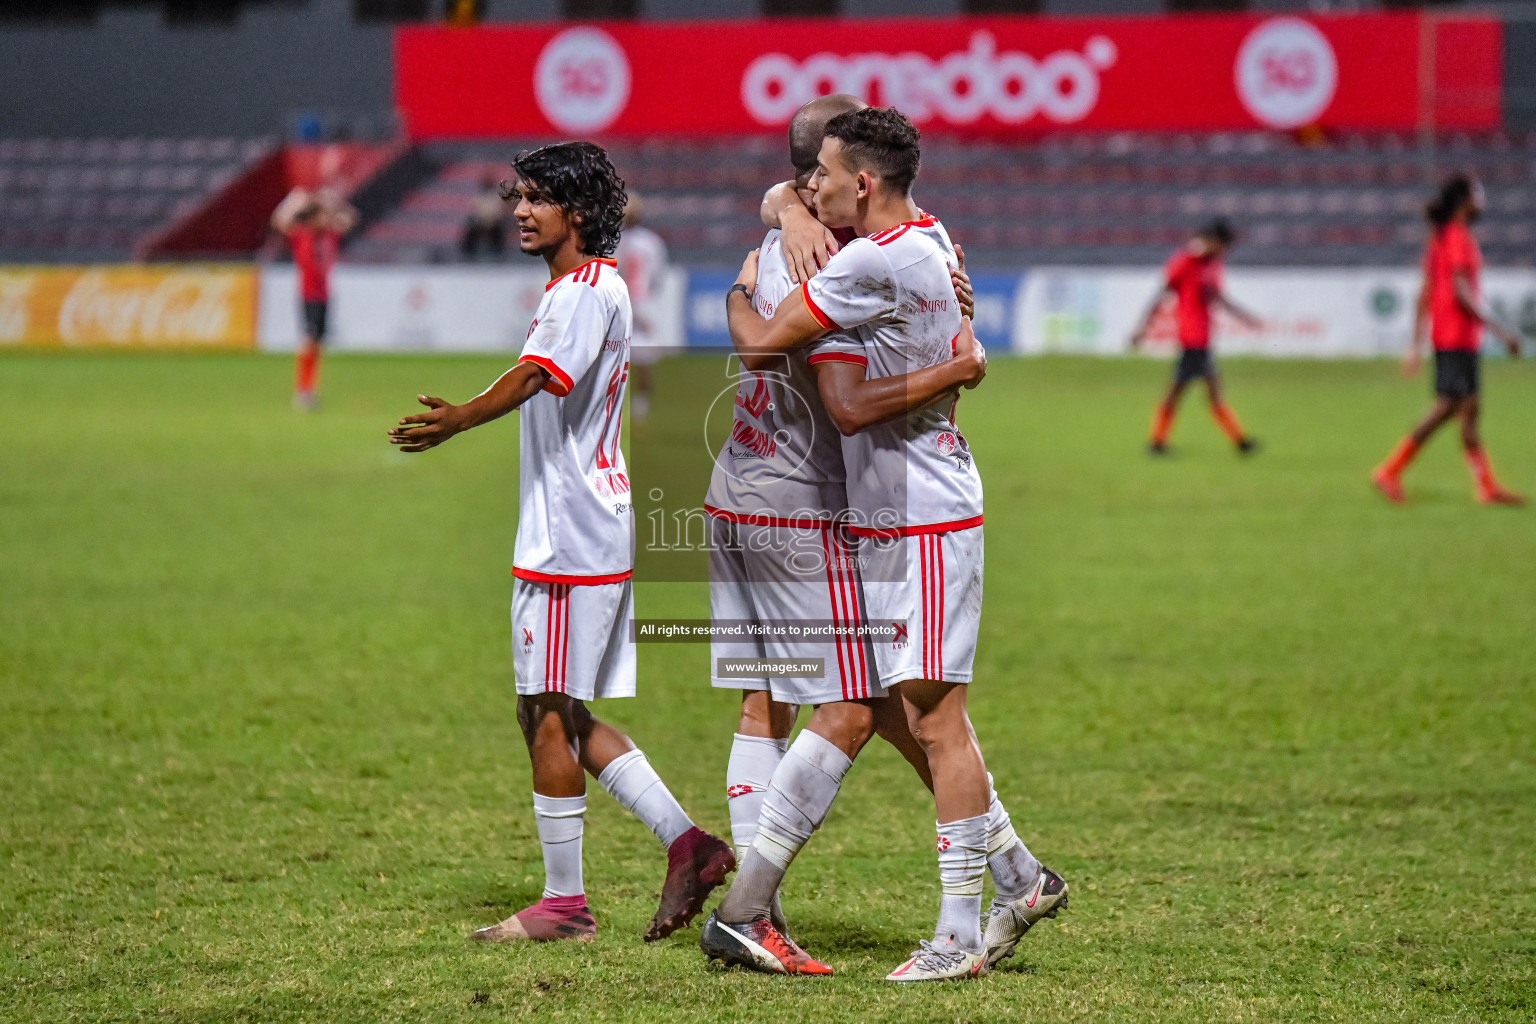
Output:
x=855 y=402
x=442 y=419
x=757 y=340
x=806 y=243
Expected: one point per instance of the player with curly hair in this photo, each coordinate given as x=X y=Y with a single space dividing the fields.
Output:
x=1451 y=306
x=572 y=599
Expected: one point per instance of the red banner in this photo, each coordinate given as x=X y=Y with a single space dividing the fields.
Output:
x=990 y=76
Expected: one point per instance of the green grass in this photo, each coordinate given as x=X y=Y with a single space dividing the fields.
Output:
x=258 y=758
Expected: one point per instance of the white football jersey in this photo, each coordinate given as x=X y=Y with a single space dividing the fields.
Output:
x=783 y=462
x=642 y=257
x=890 y=302
x=575 y=517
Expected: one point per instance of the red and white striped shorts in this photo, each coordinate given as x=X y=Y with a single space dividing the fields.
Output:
x=573 y=638
x=932 y=583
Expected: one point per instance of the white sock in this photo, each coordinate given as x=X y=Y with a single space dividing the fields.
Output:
x=799 y=797
x=630 y=779
x=560 y=819
x=962 y=862
x=752 y=764
x=1014 y=869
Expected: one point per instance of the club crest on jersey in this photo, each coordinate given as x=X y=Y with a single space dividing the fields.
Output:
x=899 y=641
x=953 y=446
x=527 y=640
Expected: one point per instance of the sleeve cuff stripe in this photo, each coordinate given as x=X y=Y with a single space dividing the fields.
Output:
x=837 y=357
x=820 y=317
x=560 y=382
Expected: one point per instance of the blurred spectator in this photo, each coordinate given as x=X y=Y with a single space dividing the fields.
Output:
x=487 y=222
x=642 y=257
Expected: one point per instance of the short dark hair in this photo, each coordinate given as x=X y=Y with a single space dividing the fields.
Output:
x=1454 y=191
x=879 y=139
x=1219 y=231
x=580 y=179
x=809 y=126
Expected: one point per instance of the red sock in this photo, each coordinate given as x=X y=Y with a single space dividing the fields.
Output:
x=1400 y=457
x=1162 y=422
x=1228 y=422
x=305 y=367
x=1482 y=472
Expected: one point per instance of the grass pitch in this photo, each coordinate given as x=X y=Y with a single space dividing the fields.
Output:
x=258 y=760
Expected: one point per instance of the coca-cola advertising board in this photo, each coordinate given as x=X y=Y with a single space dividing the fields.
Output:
x=988 y=76
x=129 y=306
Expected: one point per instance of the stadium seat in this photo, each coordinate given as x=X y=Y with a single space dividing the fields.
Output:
x=75 y=200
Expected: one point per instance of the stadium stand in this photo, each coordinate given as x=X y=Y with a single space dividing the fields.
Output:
x=1079 y=199
x=1082 y=198
x=83 y=200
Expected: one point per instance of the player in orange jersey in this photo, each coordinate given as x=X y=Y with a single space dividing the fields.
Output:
x=1452 y=304
x=1193 y=278
x=314 y=223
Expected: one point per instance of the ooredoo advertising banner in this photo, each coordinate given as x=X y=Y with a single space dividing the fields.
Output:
x=129 y=306
x=965 y=75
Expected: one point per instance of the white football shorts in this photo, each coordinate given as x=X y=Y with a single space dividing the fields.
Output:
x=762 y=573
x=573 y=638
x=932 y=581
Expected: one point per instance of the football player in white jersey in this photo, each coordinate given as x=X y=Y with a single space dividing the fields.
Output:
x=775 y=495
x=572 y=602
x=916 y=498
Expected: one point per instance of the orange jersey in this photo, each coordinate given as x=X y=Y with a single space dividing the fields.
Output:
x=1195 y=282
x=314 y=251
x=1452 y=250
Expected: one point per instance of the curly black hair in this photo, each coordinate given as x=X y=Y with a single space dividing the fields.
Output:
x=879 y=139
x=579 y=178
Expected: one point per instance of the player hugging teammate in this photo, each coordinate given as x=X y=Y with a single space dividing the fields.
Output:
x=874 y=346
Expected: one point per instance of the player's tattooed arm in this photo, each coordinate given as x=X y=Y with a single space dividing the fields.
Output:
x=855 y=402
x=442 y=419
x=806 y=243
x=758 y=341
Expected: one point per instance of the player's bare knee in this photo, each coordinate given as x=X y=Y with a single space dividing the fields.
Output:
x=848 y=725
x=578 y=718
x=539 y=711
x=764 y=717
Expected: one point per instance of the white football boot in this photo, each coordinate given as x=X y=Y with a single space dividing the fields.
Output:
x=1008 y=921
x=939 y=963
